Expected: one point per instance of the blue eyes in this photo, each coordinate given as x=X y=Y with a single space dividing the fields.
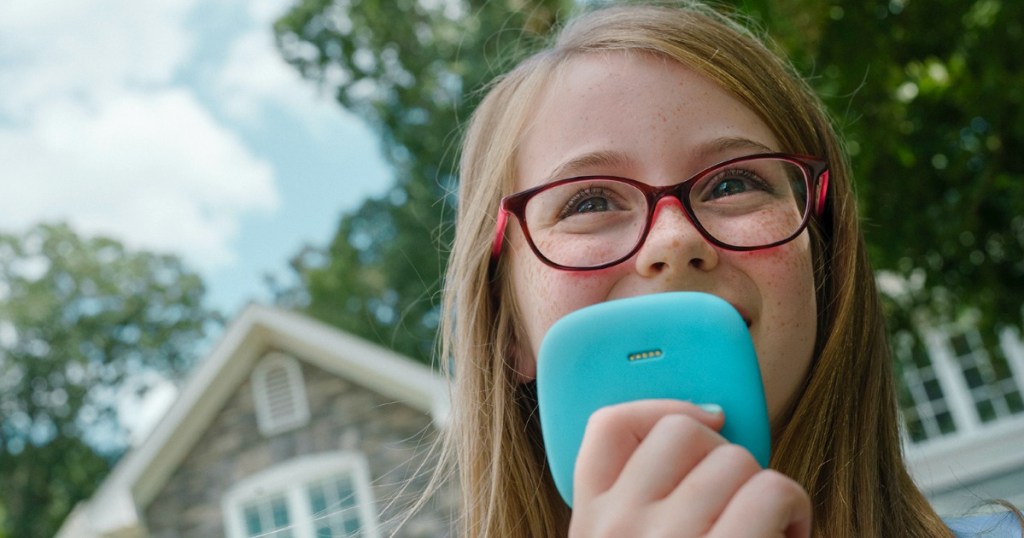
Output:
x=589 y=200
x=607 y=195
x=733 y=182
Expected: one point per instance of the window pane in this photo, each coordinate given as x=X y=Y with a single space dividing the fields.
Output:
x=945 y=420
x=973 y=377
x=994 y=391
x=336 y=508
x=1015 y=402
x=986 y=411
x=252 y=521
x=280 y=511
x=916 y=430
x=317 y=501
x=268 y=518
x=961 y=346
x=922 y=399
x=345 y=494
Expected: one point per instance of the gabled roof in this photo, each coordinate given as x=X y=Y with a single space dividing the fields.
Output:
x=144 y=470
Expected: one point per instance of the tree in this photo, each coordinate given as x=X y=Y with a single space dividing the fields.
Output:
x=410 y=70
x=928 y=95
x=80 y=321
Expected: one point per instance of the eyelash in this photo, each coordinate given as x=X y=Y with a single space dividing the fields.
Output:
x=742 y=173
x=579 y=196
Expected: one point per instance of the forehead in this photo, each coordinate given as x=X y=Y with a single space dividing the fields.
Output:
x=630 y=110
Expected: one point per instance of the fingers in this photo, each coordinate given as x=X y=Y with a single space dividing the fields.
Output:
x=711 y=484
x=671 y=449
x=614 y=434
x=769 y=504
x=661 y=466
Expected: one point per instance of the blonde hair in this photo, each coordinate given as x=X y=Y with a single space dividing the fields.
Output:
x=839 y=439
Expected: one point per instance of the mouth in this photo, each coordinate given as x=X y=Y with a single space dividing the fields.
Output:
x=743 y=314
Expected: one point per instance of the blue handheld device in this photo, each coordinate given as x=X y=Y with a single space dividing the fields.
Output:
x=681 y=345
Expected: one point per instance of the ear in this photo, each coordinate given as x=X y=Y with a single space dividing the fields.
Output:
x=524 y=364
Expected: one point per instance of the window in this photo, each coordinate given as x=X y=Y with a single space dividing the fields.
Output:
x=319 y=496
x=267 y=518
x=923 y=401
x=280 y=394
x=955 y=382
x=980 y=382
x=334 y=507
x=987 y=374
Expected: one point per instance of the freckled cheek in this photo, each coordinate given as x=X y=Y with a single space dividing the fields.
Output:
x=783 y=275
x=545 y=295
x=786 y=330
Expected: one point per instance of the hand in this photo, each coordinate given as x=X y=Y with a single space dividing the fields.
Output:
x=660 y=468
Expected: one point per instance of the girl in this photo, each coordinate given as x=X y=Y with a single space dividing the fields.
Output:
x=659 y=96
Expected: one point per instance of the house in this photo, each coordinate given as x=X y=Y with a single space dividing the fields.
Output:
x=964 y=413
x=289 y=428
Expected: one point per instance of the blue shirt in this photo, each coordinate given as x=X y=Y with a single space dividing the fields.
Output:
x=996 y=525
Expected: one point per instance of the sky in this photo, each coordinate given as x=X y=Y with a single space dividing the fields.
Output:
x=175 y=126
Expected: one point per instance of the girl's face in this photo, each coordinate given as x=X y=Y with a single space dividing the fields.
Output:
x=654 y=120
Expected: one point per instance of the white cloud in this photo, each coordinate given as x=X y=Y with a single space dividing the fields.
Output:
x=95 y=130
x=88 y=50
x=255 y=78
x=265 y=12
x=154 y=170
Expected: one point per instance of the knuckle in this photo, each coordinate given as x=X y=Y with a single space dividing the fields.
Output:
x=678 y=424
x=739 y=457
x=683 y=430
x=773 y=482
x=605 y=419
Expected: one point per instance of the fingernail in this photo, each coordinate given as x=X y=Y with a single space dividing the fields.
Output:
x=714 y=409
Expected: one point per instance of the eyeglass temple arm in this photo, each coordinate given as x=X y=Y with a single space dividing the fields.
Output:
x=819 y=207
x=499 y=234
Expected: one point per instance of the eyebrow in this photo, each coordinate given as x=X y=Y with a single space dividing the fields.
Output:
x=595 y=159
x=618 y=159
x=729 y=143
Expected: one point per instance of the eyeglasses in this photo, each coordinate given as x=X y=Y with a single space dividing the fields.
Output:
x=592 y=222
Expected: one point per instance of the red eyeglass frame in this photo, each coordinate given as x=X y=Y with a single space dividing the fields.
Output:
x=816 y=175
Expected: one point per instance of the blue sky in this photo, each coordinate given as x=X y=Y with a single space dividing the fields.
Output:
x=174 y=126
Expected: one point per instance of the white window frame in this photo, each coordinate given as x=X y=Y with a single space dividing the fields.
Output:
x=975 y=450
x=951 y=377
x=293 y=478
x=265 y=418
x=926 y=409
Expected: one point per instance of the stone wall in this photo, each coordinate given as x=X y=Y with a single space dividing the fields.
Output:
x=394 y=437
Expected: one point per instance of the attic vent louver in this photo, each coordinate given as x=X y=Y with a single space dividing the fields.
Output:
x=280 y=394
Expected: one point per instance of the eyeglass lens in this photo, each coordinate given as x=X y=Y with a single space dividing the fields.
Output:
x=591 y=222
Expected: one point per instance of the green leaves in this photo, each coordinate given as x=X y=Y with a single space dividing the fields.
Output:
x=409 y=68
x=928 y=96
x=79 y=319
x=940 y=173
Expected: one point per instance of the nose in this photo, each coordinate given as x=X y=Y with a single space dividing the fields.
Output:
x=673 y=244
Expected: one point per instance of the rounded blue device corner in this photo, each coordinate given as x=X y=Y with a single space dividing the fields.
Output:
x=682 y=345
